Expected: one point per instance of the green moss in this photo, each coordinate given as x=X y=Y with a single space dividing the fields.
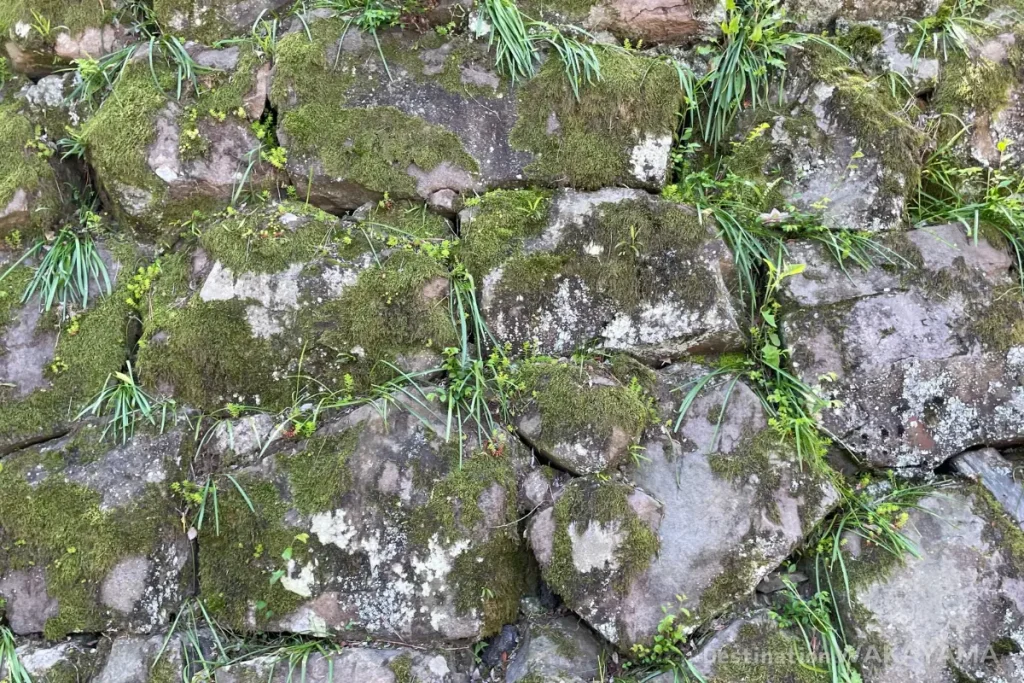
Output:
x=164 y=671
x=737 y=577
x=502 y=221
x=1000 y=326
x=491 y=577
x=318 y=475
x=1000 y=526
x=401 y=666
x=256 y=241
x=373 y=147
x=755 y=458
x=641 y=243
x=381 y=317
x=211 y=357
x=860 y=40
x=566 y=11
x=584 y=502
x=23 y=169
x=979 y=85
x=572 y=409
x=11 y=289
x=764 y=654
x=73 y=15
x=225 y=91
x=96 y=350
x=120 y=132
x=595 y=136
x=205 y=22
x=237 y=564
x=60 y=527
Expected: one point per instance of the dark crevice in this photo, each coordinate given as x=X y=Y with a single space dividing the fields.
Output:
x=34 y=441
x=539 y=454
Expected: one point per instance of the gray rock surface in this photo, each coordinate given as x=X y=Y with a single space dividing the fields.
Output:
x=363 y=665
x=927 y=361
x=562 y=650
x=660 y=292
x=952 y=612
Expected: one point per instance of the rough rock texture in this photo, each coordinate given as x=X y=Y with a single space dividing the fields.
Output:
x=121 y=567
x=385 y=535
x=73 y=659
x=211 y=20
x=560 y=651
x=365 y=666
x=29 y=195
x=582 y=420
x=309 y=293
x=77 y=30
x=953 y=612
x=433 y=120
x=632 y=273
x=657 y=21
x=159 y=159
x=928 y=361
x=998 y=476
x=843 y=150
x=754 y=501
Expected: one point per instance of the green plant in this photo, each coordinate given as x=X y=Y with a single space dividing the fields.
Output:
x=878 y=515
x=44 y=28
x=99 y=75
x=514 y=53
x=973 y=196
x=951 y=29
x=756 y=42
x=813 y=617
x=73 y=145
x=368 y=16
x=791 y=404
x=124 y=401
x=64 y=275
x=517 y=41
x=666 y=652
x=10 y=663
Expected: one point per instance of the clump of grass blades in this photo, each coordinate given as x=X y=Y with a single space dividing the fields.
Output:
x=973 y=196
x=952 y=29
x=756 y=42
x=822 y=635
x=878 y=515
x=368 y=16
x=208 y=647
x=517 y=41
x=791 y=404
x=10 y=664
x=125 y=402
x=70 y=264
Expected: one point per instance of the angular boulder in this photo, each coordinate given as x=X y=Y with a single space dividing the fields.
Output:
x=955 y=612
x=616 y=267
x=159 y=160
x=583 y=421
x=927 y=358
x=91 y=539
x=620 y=556
x=431 y=120
x=373 y=526
x=282 y=290
x=842 y=149
x=560 y=650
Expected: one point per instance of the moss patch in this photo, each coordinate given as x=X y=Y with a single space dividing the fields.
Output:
x=73 y=15
x=23 y=169
x=501 y=222
x=237 y=563
x=401 y=667
x=1000 y=326
x=60 y=527
x=572 y=409
x=120 y=132
x=492 y=576
x=978 y=85
x=96 y=350
x=318 y=475
x=586 y=502
x=764 y=654
x=592 y=144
